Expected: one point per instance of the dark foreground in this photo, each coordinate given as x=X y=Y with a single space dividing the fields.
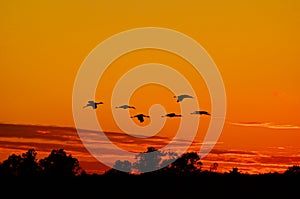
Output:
x=210 y=185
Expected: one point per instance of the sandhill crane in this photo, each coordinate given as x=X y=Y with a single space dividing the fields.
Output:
x=92 y=104
x=125 y=107
x=171 y=115
x=181 y=97
x=201 y=113
x=140 y=117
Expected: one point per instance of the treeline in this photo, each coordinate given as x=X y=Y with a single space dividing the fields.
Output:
x=60 y=164
x=57 y=163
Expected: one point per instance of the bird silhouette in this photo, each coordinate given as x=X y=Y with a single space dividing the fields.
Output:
x=140 y=117
x=125 y=107
x=201 y=113
x=171 y=115
x=181 y=97
x=92 y=104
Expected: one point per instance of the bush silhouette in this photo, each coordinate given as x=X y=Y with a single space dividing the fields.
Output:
x=58 y=163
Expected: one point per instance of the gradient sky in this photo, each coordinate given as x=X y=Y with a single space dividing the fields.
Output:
x=255 y=45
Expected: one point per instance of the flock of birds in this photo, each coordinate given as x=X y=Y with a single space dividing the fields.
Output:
x=141 y=116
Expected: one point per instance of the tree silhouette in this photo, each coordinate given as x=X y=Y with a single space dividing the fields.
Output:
x=58 y=163
x=61 y=164
x=120 y=168
x=11 y=166
x=29 y=165
x=293 y=170
x=123 y=166
x=153 y=159
x=234 y=171
x=188 y=162
x=148 y=160
x=21 y=165
x=213 y=167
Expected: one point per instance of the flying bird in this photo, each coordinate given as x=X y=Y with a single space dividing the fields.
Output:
x=125 y=107
x=140 y=117
x=181 y=97
x=171 y=115
x=92 y=104
x=201 y=113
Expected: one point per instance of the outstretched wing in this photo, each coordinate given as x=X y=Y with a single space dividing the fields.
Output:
x=181 y=97
x=205 y=113
x=187 y=96
x=201 y=112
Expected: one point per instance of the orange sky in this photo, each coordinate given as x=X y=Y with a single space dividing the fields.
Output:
x=255 y=45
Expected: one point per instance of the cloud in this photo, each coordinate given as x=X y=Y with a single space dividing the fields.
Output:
x=269 y=125
x=42 y=132
x=239 y=152
x=251 y=161
x=19 y=138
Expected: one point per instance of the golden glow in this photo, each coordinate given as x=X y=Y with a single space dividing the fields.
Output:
x=255 y=44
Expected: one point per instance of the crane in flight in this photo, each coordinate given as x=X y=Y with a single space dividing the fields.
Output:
x=182 y=97
x=200 y=113
x=140 y=117
x=171 y=115
x=125 y=107
x=92 y=104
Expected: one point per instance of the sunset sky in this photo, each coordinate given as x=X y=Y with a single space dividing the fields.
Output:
x=255 y=45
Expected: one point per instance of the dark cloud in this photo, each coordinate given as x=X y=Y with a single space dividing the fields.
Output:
x=16 y=138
